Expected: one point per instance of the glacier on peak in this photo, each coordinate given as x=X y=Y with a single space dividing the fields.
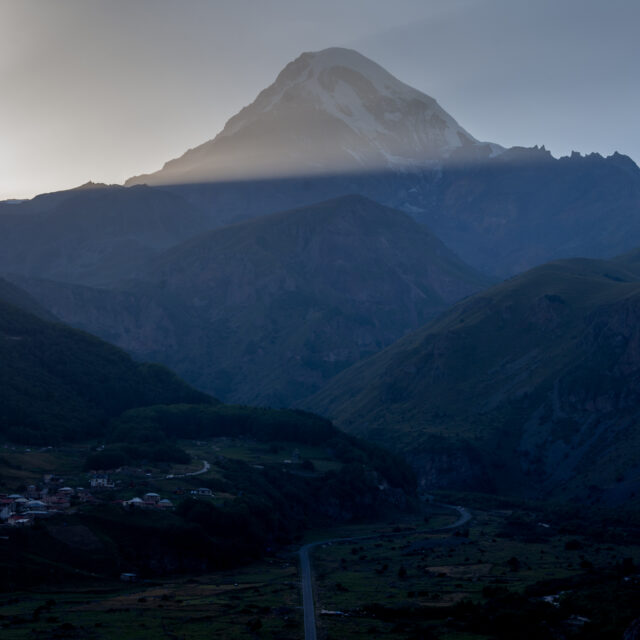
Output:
x=329 y=111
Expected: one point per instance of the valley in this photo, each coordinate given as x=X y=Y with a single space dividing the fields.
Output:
x=338 y=368
x=551 y=570
x=527 y=388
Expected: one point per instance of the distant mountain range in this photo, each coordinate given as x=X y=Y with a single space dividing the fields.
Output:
x=531 y=387
x=335 y=123
x=268 y=310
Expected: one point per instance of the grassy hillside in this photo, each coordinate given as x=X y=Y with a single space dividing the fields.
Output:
x=532 y=386
x=59 y=384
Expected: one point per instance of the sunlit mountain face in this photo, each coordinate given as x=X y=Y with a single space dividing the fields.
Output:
x=327 y=112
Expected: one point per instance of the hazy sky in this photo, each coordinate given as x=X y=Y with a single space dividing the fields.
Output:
x=104 y=90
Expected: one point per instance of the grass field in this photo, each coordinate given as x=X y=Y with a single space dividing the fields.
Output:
x=414 y=580
x=262 y=598
x=21 y=466
x=402 y=581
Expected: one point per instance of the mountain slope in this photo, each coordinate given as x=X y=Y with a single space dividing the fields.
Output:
x=94 y=234
x=58 y=384
x=268 y=310
x=17 y=297
x=335 y=123
x=525 y=208
x=532 y=386
x=330 y=111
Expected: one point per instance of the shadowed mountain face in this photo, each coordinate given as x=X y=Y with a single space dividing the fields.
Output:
x=94 y=234
x=267 y=311
x=530 y=387
x=17 y=297
x=525 y=208
x=58 y=384
x=335 y=123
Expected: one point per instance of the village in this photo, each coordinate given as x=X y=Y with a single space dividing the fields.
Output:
x=51 y=497
x=140 y=488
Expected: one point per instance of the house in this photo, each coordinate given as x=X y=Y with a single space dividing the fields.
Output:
x=57 y=502
x=20 y=504
x=35 y=506
x=85 y=496
x=32 y=492
x=101 y=481
x=129 y=577
x=66 y=491
x=7 y=509
x=203 y=491
x=134 y=503
x=37 y=513
x=165 y=504
x=151 y=498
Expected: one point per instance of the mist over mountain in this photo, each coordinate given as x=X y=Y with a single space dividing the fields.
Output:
x=531 y=387
x=268 y=310
x=331 y=111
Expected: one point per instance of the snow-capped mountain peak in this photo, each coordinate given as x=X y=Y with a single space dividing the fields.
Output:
x=327 y=112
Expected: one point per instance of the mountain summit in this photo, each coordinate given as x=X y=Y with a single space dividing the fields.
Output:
x=330 y=111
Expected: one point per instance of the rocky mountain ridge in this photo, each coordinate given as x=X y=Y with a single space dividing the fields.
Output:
x=268 y=310
x=531 y=387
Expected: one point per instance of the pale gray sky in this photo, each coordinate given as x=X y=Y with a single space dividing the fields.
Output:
x=105 y=89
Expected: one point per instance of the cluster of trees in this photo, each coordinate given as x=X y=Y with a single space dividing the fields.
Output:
x=272 y=507
x=150 y=433
x=59 y=385
x=209 y=421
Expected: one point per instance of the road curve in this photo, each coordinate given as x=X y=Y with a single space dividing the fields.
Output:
x=205 y=467
x=307 y=577
x=632 y=632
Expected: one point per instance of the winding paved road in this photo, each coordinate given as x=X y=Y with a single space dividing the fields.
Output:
x=305 y=564
x=205 y=467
